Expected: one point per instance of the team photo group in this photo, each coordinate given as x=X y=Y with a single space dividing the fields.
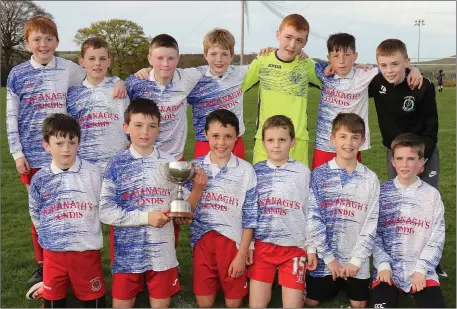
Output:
x=95 y=150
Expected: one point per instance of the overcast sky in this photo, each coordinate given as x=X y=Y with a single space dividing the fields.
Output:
x=188 y=21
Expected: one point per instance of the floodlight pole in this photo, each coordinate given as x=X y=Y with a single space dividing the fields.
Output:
x=419 y=22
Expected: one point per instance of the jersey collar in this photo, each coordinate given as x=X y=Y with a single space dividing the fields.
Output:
x=74 y=168
x=154 y=154
x=36 y=65
x=333 y=166
x=349 y=76
x=271 y=165
x=89 y=85
x=415 y=185
x=233 y=162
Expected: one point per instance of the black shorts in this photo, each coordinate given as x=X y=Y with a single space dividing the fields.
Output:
x=386 y=296
x=324 y=288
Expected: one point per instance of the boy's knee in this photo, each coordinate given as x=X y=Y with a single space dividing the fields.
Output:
x=205 y=302
x=257 y=303
x=358 y=303
x=233 y=303
x=311 y=302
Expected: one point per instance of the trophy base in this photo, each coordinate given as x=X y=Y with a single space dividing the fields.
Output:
x=180 y=215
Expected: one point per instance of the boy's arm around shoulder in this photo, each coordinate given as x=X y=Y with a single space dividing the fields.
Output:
x=252 y=75
x=110 y=209
x=431 y=254
x=429 y=132
x=366 y=239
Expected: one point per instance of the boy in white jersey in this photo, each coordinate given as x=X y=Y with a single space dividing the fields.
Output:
x=135 y=199
x=342 y=218
x=344 y=92
x=100 y=116
x=222 y=228
x=35 y=89
x=410 y=234
x=219 y=88
x=63 y=204
x=169 y=88
x=282 y=185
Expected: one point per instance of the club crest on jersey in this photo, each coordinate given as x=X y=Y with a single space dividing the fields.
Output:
x=408 y=104
x=28 y=84
x=96 y=284
x=45 y=194
x=383 y=90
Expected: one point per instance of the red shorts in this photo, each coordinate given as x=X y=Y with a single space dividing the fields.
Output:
x=428 y=283
x=27 y=178
x=321 y=157
x=161 y=284
x=213 y=254
x=202 y=148
x=82 y=271
x=290 y=260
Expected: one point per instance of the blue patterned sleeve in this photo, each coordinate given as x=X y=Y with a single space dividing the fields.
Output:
x=320 y=68
x=431 y=254
x=366 y=240
x=111 y=210
x=250 y=206
x=316 y=226
x=34 y=205
x=12 y=121
x=130 y=86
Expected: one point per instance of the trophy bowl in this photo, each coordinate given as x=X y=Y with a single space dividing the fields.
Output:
x=178 y=172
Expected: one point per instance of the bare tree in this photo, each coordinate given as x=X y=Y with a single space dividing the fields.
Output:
x=13 y=17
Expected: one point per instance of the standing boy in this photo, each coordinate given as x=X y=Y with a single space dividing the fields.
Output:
x=440 y=80
x=63 y=204
x=280 y=234
x=100 y=117
x=36 y=89
x=219 y=88
x=135 y=200
x=222 y=228
x=283 y=85
x=410 y=233
x=344 y=92
x=402 y=110
x=342 y=218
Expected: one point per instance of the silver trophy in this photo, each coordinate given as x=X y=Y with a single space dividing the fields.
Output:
x=178 y=173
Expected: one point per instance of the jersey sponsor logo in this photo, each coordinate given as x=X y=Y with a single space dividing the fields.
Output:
x=408 y=104
x=383 y=90
x=96 y=284
x=432 y=174
x=276 y=66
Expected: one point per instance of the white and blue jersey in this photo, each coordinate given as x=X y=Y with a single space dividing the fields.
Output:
x=342 y=216
x=214 y=92
x=410 y=234
x=283 y=202
x=229 y=201
x=33 y=92
x=172 y=102
x=63 y=206
x=348 y=94
x=132 y=187
x=101 y=118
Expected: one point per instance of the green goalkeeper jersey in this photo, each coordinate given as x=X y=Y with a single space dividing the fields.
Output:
x=283 y=90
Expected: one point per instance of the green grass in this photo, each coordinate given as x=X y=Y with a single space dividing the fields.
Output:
x=18 y=261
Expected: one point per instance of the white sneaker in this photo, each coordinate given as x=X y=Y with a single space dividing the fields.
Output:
x=35 y=292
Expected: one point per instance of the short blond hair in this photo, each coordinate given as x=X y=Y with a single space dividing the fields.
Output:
x=40 y=23
x=221 y=37
x=391 y=46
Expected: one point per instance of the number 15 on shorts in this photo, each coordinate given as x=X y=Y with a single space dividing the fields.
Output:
x=299 y=268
